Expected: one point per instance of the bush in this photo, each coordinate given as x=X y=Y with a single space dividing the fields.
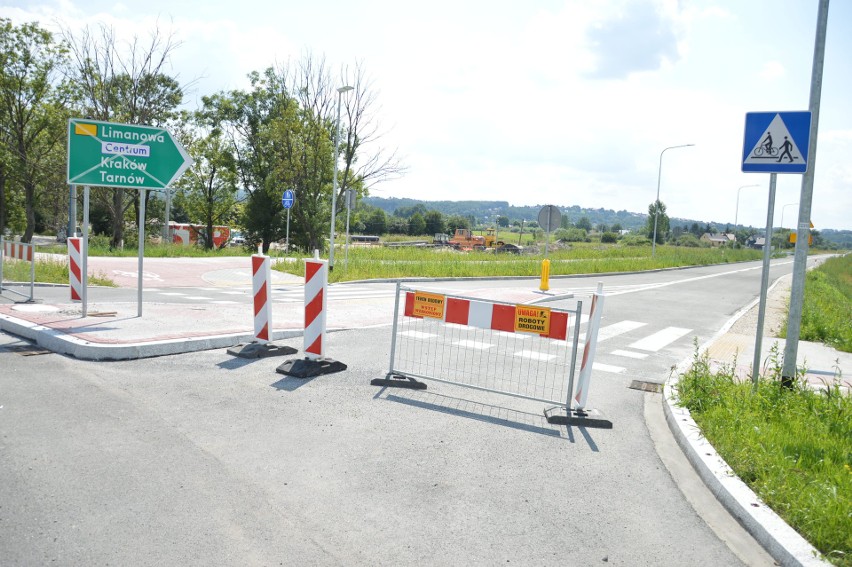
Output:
x=636 y=240
x=688 y=240
x=609 y=237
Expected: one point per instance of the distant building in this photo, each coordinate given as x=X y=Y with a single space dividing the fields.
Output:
x=756 y=242
x=718 y=239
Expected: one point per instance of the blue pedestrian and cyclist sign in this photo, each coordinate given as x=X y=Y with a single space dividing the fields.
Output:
x=288 y=198
x=776 y=142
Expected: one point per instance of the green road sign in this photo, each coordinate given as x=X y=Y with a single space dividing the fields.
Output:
x=123 y=155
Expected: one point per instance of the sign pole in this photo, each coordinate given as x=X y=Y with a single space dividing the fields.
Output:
x=72 y=212
x=141 y=252
x=764 y=282
x=84 y=276
x=800 y=260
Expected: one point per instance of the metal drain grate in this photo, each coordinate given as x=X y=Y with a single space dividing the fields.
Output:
x=27 y=350
x=646 y=386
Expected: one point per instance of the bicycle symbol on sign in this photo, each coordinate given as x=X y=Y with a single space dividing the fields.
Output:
x=766 y=147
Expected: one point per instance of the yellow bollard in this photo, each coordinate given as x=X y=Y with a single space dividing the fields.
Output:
x=545 y=275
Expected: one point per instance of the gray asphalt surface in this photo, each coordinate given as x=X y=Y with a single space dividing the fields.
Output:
x=207 y=459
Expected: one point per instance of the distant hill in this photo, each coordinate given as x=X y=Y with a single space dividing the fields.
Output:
x=487 y=211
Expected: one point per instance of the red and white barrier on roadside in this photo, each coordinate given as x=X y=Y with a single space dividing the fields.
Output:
x=487 y=315
x=261 y=278
x=18 y=250
x=582 y=390
x=75 y=271
x=316 y=292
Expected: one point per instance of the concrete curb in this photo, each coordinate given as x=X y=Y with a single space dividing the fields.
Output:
x=782 y=542
x=62 y=343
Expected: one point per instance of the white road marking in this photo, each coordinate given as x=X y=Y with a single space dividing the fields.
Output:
x=535 y=355
x=225 y=302
x=630 y=354
x=619 y=328
x=418 y=335
x=474 y=344
x=660 y=339
x=199 y=297
x=175 y=293
x=608 y=368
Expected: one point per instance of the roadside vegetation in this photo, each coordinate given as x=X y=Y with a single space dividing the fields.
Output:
x=791 y=446
x=46 y=271
x=391 y=263
x=827 y=307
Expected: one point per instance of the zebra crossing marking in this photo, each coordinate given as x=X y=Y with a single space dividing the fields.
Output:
x=630 y=354
x=660 y=339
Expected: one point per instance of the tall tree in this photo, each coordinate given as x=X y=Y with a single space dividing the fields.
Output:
x=207 y=192
x=657 y=210
x=283 y=135
x=126 y=84
x=31 y=112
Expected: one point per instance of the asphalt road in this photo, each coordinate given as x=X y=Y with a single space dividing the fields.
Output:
x=206 y=459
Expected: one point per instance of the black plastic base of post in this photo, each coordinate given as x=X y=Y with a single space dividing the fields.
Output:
x=579 y=417
x=397 y=381
x=307 y=368
x=260 y=350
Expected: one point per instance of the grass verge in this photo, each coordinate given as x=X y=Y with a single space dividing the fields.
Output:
x=792 y=447
x=392 y=263
x=46 y=271
x=827 y=306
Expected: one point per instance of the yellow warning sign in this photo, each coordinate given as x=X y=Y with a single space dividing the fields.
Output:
x=793 y=238
x=428 y=305
x=82 y=129
x=529 y=319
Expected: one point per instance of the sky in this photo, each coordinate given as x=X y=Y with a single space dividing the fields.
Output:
x=563 y=102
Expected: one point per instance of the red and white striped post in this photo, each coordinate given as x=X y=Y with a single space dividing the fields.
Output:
x=316 y=292
x=75 y=263
x=582 y=391
x=261 y=277
x=315 y=362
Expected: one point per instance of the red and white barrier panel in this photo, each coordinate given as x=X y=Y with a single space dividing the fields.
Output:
x=75 y=270
x=261 y=277
x=487 y=315
x=316 y=292
x=18 y=250
x=582 y=390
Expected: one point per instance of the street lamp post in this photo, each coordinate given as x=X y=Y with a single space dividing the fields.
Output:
x=737 y=211
x=782 y=213
x=656 y=207
x=340 y=91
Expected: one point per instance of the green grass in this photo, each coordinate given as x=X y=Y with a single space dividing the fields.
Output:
x=46 y=271
x=99 y=246
x=391 y=263
x=793 y=447
x=827 y=306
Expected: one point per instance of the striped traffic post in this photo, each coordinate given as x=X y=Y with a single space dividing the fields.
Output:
x=595 y=313
x=260 y=278
x=75 y=263
x=261 y=283
x=316 y=294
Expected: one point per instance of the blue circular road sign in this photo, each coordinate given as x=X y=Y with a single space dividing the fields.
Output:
x=288 y=198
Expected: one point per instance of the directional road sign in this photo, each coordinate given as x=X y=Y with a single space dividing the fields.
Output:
x=776 y=142
x=288 y=199
x=123 y=155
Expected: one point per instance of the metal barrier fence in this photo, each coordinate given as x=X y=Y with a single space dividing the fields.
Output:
x=17 y=251
x=526 y=351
